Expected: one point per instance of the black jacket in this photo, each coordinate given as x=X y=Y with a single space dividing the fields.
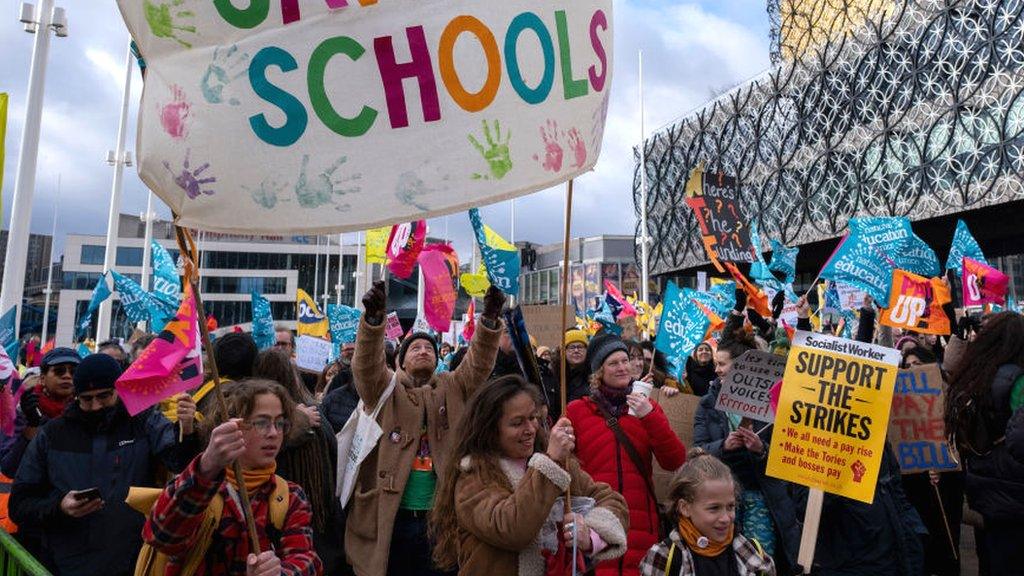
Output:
x=70 y=454
x=338 y=404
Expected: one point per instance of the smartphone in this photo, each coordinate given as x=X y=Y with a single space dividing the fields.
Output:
x=88 y=494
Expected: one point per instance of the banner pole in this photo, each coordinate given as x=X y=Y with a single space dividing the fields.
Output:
x=809 y=536
x=563 y=300
x=186 y=247
x=945 y=522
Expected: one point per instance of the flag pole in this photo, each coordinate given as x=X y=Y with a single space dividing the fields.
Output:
x=644 y=271
x=563 y=301
x=187 y=249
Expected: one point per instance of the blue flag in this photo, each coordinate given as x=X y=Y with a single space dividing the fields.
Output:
x=964 y=244
x=893 y=238
x=8 y=324
x=832 y=300
x=100 y=292
x=683 y=324
x=136 y=302
x=606 y=317
x=859 y=264
x=166 y=284
x=784 y=260
x=262 y=322
x=500 y=258
x=720 y=299
x=344 y=321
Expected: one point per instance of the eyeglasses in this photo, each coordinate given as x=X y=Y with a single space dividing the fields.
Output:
x=62 y=369
x=282 y=344
x=263 y=425
x=575 y=348
x=87 y=399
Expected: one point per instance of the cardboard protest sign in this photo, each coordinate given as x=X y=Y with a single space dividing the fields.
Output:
x=393 y=328
x=916 y=304
x=341 y=116
x=681 y=411
x=916 y=427
x=746 y=390
x=312 y=353
x=715 y=201
x=833 y=414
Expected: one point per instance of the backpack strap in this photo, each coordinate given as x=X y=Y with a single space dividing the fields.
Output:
x=279 y=501
x=211 y=520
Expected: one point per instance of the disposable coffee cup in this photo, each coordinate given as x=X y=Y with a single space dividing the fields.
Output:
x=644 y=388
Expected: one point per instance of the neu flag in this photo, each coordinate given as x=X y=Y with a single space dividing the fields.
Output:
x=439 y=266
x=859 y=264
x=499 y=257
x=262 y=322
x=893 y=238
x=404 y=247
x=169 y=365
x=964 y=245
x=310 y=321
x=683 y=324
x=166 y=285
x=137 y=304
x=344 y=321
x=784 y=260
x=7 y=331
x=983 y=284
x=100 y=292
x=916 y=304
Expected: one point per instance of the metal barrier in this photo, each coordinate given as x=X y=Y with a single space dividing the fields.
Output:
x=16 y=561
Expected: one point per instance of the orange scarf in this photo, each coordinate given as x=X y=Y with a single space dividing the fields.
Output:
x=694 y=539
x=253 y=478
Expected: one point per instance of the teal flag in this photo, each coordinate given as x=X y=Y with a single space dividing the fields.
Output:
x=784 y=260
x=262 y=322
x=100 y=292
x=500 y=258
x=8 y=328
x=894 y=239
x=964 y=245
x=166 y=284
x=862 y=265
x=683 y=324
x=137 y=304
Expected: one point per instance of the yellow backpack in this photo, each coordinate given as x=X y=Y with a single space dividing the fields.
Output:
x=152 y=562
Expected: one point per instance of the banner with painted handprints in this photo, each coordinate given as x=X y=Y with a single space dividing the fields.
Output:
x=337 y=116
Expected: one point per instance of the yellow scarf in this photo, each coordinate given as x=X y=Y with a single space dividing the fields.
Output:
x=694 y=538
x=253 y=478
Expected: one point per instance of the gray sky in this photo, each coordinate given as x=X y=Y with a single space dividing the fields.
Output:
x=691 y=50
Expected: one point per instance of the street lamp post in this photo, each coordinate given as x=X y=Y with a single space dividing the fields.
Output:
x=118 y=158
x=39 y=20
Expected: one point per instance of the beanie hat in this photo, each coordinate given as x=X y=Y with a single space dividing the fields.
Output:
x=96 y=372
x=408 y=342
x=575 y=336
x=601 y=347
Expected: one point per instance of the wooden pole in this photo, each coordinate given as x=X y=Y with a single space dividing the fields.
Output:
x=564 y=300
x=187 y=247
x=945 y=522
x=809 y=537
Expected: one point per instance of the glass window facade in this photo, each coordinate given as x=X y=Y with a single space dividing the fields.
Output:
x=92 y=254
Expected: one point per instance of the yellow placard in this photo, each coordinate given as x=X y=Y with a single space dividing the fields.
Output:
x=833 y=415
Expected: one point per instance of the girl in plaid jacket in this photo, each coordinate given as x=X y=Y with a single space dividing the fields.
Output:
x=703 y=542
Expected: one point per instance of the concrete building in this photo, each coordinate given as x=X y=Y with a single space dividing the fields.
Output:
x=592 y=261
x=231 y=267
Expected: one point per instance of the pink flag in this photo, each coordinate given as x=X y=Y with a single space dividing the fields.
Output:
x=627 y=308
x=773 y=396
x=470 y=327
x=169 y=365
x=440 y=266
x=404 y=247
x=983 y=284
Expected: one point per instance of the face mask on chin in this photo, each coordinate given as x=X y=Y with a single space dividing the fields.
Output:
x=97 y=417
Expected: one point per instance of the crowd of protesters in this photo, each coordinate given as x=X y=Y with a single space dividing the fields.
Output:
x=475 y=457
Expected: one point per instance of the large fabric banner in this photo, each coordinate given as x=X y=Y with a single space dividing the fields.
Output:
x=964 y=245
x=894 y=239
x=338 y=116
x=833 y=415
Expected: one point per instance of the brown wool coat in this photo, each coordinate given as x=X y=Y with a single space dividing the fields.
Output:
x=499 y=524
x=383 y=475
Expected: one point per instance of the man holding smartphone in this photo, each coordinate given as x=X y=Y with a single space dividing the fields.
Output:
x=76 y=472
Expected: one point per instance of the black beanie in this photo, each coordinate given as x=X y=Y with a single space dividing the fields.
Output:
x=601 y=347
x=408 y=342
x=96 y=372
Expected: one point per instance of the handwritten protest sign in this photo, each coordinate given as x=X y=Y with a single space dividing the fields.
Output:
x=312 y=353
x=745 y=391
x=716 y=204
x=833 y=413
x=681 y=411
x=315 y=116
x=916 y=428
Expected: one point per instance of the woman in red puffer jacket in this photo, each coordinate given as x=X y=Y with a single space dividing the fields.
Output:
x=606 y=459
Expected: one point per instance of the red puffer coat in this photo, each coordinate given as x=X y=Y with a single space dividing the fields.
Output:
x=601 y=456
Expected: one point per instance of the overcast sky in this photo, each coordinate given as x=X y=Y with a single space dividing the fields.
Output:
x=691 y=51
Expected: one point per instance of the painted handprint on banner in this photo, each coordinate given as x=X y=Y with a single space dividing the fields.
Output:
x=578 y=149
x=267 y=193
x=189 y=180
x=411 y=185
x=319 y=189
x=499 y=160
x=228 y=65
x=164 y=19
x=174 y=114
x=553 y=151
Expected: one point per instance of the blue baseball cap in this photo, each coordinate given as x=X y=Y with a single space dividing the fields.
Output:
x=60 y=356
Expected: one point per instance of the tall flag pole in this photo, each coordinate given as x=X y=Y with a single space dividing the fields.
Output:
x=644 y=241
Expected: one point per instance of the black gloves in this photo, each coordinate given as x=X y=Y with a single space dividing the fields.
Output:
x=30 y=408
x=778 y=303
x=374 y=302
x=741 y=301
x=494 y=300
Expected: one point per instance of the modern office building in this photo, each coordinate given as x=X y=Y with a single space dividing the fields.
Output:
x=871 y=108
x=231 y=267
x=592 y=261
